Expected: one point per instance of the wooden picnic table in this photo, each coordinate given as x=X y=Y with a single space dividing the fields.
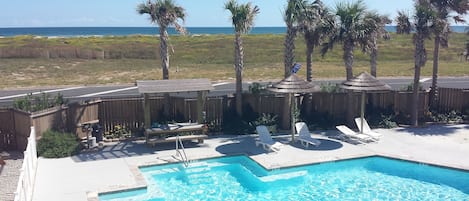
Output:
x=168 y=133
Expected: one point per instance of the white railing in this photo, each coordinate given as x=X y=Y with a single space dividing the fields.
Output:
x=24 y=190
x=178 y=151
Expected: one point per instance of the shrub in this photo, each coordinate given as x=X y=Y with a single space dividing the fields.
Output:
x=119 y=131
x=465 y=114
x=381 y=118
x=269 y=120
x=257 y=88
x=32 y=103
x=387 y=121
x=450 y=117
x=55 y=144
x=214 y=127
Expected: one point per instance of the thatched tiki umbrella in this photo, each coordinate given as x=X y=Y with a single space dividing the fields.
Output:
x=292 y=85
x=364 y=83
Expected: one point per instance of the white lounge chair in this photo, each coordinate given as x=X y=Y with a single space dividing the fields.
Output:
x=366 y=129
x=304 y=136
x=266 y=140
x=350 y=134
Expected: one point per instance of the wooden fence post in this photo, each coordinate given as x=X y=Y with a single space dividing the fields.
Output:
x=146 y=111
x=201 y=98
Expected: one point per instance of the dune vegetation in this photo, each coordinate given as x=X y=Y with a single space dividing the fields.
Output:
x=35 y=61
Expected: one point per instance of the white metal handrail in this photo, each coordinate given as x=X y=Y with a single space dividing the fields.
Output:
x=182 y=155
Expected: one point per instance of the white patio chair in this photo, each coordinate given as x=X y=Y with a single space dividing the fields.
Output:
x=366 y=129
x=350 y=134
x=266 y=140
x=304 y=136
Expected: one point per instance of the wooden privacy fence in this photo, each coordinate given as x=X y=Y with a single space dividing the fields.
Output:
x=14 y=129
x=7 y=131
x=453 y=99
x=128 y=113
x=125 y=112
x=268 y=103
x=15 y=125
x=336 y=104
x=65 y=118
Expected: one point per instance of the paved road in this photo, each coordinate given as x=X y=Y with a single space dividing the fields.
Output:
x=82 y=93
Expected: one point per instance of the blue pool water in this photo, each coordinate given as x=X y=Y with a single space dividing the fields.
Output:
x=240 y=178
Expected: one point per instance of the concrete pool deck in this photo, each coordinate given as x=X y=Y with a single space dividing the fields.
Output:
x=115 y=167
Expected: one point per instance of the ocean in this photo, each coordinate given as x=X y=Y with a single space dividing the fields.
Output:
x=124 y=31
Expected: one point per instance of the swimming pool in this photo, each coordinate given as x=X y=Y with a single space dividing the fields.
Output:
x=240 y=178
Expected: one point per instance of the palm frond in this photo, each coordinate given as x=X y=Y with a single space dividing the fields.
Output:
x=294 y=11
x=424 y=19
x=242 y=15
x=404 y=26
x=164 y=12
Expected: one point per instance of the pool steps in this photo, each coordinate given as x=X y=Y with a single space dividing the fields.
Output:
x=196 y=168
x=284 y=176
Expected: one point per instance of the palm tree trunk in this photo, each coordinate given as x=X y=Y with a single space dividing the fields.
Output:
x=239 y=65
x=420 y=58
x=289 y=49
x=373 y=58
x=309 y=73
x=288 y=62
x=309 y=61
x=373 y=63
x=415 y=96
x=348 y=59
x=434 y=88
x=164 y=53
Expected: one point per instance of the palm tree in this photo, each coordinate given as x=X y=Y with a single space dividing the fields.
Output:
x=351 y=30
x=165 y=13
x=423 y=22
x=441 y=31
x=292 y=16
x=376 y=24
x=242 y=16
x=314 y=25
x=403 y=23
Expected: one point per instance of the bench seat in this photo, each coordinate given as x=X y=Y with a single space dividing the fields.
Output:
x=199 y=138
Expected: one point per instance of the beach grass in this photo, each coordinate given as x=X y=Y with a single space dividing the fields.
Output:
x=206 y=56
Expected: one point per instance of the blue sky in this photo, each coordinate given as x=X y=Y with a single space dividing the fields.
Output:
x=200 y=13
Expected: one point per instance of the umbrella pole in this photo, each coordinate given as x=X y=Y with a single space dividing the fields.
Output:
x=292 y=116
x=362 y=112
